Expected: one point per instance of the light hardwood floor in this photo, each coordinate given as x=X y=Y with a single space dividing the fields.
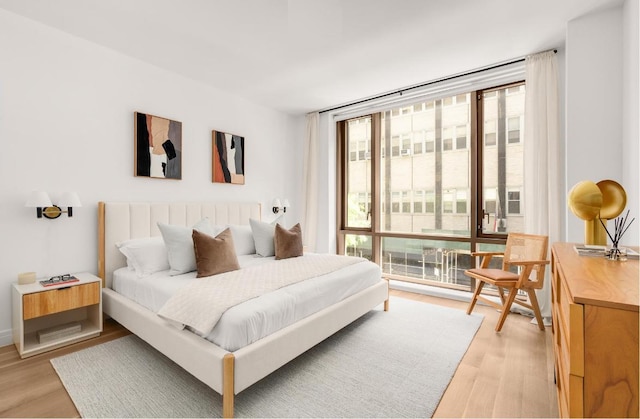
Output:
x=507 y=374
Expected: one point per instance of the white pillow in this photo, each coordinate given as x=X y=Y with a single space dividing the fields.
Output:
x=145 y=256
x=179 y=243
x=263 y=234
x=242 y=239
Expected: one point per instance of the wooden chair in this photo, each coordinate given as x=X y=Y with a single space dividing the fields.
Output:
x=528 y=253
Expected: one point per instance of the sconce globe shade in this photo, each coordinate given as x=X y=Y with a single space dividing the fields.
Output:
x=69 y=199
x=38 y=199
x=585 y=200
x=614 y=199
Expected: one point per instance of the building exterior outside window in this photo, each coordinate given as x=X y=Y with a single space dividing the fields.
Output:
x=445 y=188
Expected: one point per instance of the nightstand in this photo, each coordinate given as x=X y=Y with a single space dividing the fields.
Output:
x=46 y=318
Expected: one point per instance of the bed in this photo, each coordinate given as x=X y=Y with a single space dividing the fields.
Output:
x=227 y=371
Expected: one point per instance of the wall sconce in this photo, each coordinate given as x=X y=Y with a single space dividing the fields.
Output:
x=277 y=205
x=42 y=203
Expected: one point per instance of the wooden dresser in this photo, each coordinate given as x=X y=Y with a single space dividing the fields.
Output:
x=595 y=326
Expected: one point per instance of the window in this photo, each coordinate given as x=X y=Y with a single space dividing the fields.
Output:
x=418 y=201
x=417 y=148
x=395 y=146
x=514 y=130
x=461 y=137
x=406 y=202
x=454 y=202
x=395 y=202
x=513 y=204
x=429 y=142
x=447 y=202
x=450 y=182
x=358 y=135
x=461 y=202
x=489 y=133
x=502 y=161
x=430 y=202
x=447 y=139
x=406 y=146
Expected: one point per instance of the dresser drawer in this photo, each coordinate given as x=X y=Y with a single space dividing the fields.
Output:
x=61 y=299
x=570 y=335
x=570 y=390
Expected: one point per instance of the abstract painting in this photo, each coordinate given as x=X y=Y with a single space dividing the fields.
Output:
x=228 y=158
x=158 y=147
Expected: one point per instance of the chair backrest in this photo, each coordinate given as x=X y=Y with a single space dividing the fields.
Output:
x=522 y=246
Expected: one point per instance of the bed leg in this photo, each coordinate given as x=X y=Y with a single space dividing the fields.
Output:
x=386 y=302
x=227 y=386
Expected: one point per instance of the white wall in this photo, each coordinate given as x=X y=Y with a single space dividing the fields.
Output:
x=66 y=123
x=631 y=115
x=599 y=127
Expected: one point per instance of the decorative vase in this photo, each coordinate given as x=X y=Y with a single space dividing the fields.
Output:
x=615 y=253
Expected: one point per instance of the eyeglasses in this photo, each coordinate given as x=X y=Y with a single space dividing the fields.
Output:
x=59 y=278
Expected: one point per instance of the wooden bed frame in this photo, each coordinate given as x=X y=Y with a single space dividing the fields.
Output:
x=227 y=373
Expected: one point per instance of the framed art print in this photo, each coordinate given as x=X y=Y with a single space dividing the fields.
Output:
x=158 y=147
x=227 y=158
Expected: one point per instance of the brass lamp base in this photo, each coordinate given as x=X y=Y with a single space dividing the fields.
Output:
x=52 y=212
x=594 y=232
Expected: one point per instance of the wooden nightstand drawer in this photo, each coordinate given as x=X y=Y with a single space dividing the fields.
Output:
x=62 y=299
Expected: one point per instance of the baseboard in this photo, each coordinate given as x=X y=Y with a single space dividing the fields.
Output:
x=459 y=296
x=430 y=290
x=6 y=337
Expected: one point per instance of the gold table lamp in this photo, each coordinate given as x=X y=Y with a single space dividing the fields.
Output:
x=590 y=201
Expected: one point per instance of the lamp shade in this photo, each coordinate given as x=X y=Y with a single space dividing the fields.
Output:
x=286 y=203
x=276 y=203
x=38 y=199
x=69 y=199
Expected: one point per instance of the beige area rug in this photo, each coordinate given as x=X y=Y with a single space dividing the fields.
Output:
x=385 y=364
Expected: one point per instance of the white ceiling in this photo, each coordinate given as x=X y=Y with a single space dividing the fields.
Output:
x=304 y=55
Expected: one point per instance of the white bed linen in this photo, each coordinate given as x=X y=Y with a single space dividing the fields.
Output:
x=258 y=317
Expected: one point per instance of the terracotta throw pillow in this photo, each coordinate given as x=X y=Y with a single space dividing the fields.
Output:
x=288 y=243
x=214 y=255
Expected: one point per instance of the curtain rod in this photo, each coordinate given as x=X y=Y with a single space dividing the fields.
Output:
x=396 y=92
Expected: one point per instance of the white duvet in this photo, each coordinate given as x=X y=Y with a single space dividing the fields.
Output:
x=258 y=317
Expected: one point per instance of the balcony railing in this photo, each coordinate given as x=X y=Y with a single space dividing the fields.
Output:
x=430 y=262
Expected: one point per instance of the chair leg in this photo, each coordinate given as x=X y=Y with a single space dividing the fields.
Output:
x=536 y=308
x=501 y=294
x=506 y=308
x=474 y=299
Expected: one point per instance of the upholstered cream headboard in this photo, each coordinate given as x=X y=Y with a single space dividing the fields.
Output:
x=118 y=221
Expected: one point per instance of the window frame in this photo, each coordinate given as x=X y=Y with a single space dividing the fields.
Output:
x=474 y=142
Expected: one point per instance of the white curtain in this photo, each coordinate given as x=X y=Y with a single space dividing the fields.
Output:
x=542 y=198
x=310 y=183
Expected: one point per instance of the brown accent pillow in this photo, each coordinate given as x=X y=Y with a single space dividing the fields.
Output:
x=214 y=255
x=288 y=243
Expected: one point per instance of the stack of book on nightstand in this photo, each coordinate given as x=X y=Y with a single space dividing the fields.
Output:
x=58 y=332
